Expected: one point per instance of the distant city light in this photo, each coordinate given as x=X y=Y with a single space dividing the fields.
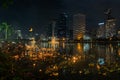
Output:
x=101 y=23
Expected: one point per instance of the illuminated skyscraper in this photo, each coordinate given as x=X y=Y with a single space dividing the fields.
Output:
x=107 y=30
x=78 y=26
x=110 y=27
x=101 y=30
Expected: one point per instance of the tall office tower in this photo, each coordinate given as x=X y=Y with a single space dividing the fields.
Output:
x=61 y=27
x=78 y=26
x=110 y=24
x=50 y=29
x=110 y=27
x=101 y=30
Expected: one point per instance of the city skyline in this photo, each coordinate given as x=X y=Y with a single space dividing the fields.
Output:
x=59 y=39
x=24 y=14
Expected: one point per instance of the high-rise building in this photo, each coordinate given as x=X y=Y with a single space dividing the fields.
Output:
x=78 y=26
x=50 y=28
x=101 y=30
x=61 y=26
x=110 y=27
x=107 y=30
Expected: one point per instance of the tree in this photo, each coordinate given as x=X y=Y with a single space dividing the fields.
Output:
x=6 y=30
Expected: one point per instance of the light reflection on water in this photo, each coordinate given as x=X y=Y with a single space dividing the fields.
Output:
x=108 y=53
x=85 y=58
x=76 y=59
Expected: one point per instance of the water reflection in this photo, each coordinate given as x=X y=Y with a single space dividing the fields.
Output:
x=88 y=51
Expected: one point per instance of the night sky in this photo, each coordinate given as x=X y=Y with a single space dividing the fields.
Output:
x=24 y=14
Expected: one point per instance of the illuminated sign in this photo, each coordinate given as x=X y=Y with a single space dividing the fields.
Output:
x=101 y=23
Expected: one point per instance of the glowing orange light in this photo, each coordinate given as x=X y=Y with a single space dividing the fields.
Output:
x=98 y=67
x=74 y=59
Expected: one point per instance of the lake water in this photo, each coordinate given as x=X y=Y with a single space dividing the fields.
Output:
x=97 y=52
x=76 y=59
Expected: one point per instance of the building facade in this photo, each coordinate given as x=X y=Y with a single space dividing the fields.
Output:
x=61 y=26
x=101 y=30
x=51 y=29
x=79 y=26
x=107 y=30
x=110 y=27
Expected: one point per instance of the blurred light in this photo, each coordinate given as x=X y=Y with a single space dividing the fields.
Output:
x=40 y=70
x=80 y=72
x=101 y=23
x=104 y=74
x=34 y=64
x=31 y=29
x=101 y=61
x=13 y=42
x=74 y=59
x=86 y=47
x=91 y=65
x=98 y=67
